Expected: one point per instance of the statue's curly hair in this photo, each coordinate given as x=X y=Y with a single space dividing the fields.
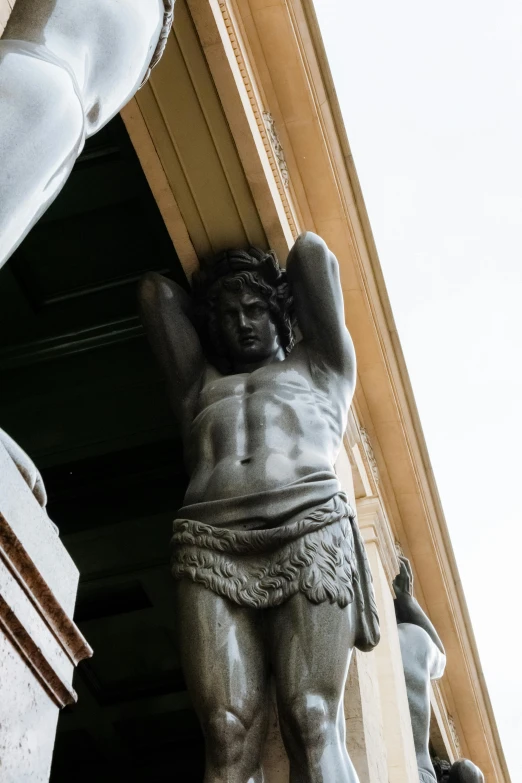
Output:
x=232 y=270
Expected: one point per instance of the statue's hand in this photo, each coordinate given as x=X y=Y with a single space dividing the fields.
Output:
x=403 y=582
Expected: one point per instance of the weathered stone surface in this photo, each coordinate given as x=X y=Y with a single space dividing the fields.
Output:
x=28 y=718
x=27 y=533
x=39 y=643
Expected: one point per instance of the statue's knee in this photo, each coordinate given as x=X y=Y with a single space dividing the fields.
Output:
x=226 y=735
x=310 y=719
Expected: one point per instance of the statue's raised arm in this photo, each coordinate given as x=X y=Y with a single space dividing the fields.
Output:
x=166 y=311
x=407 y=608
x=313 y=273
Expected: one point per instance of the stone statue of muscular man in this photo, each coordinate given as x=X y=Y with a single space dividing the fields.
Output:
x=271 y=573
x=423 y=660
x=66 y=68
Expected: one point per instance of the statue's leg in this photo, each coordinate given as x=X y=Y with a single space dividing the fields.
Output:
x=66 y=68
x=421 y=660
x=222 y=655
x=310 y=646
x=41 y=135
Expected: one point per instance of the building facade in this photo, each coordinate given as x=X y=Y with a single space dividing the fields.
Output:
x=236 y=140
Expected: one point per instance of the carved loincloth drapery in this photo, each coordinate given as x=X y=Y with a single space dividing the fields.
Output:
x=320 y=555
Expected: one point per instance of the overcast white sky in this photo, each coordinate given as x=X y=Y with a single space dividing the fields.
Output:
x=431 y=95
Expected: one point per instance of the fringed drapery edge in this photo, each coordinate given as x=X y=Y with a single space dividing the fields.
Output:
x=321 y=556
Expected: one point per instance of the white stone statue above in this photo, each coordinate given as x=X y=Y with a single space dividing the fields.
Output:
x=26 y=467
x=28 y=471
x=66 y=68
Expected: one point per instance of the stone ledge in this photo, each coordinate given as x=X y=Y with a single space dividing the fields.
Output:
x=38 y=583
x=23 y=569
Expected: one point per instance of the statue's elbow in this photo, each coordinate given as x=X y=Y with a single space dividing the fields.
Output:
x=439 y=666
x=315 y=247
x=310 y=241
x=149 y=288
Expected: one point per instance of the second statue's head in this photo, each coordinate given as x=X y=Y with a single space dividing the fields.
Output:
x=244 y=308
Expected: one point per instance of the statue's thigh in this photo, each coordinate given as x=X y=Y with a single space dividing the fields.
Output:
x=106 y=44
x=222 y=653
x=310 y=648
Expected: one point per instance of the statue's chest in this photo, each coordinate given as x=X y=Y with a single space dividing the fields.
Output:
x=254 y=392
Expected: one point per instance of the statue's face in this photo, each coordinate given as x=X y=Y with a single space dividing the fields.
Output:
x=248 y=330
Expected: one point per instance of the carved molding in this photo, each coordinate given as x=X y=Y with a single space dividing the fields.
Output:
x=272 y=146
x=60 y=691
x=454 y=735
x=22 y=567
x=38 y=583
x=276 y=146
x=365 y=438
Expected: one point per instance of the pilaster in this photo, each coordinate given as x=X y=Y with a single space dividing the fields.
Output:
x=362 y=703
x=398 y=736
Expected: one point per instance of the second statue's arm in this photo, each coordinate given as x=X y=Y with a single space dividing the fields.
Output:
x=313 y=273
x=166 y=311
x=407 y=608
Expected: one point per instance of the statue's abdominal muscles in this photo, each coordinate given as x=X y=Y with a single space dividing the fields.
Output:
x=258 y=431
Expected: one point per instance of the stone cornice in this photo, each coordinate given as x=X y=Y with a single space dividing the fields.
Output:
x=22 y=567
x=38 y=583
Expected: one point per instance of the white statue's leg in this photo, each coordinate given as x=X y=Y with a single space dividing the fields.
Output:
x=107 y=44
x=41 y=134
x=66 y=68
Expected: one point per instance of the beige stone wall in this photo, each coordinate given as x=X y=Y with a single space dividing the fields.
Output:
x=6 y=6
